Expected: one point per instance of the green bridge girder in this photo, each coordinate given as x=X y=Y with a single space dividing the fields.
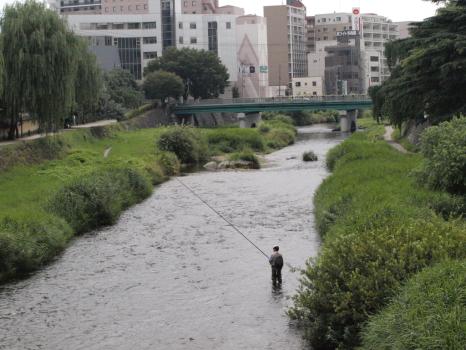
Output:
x=346 y=103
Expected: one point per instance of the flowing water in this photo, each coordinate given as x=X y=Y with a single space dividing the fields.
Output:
x=172 y=275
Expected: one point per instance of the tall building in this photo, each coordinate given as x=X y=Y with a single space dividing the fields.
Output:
x=129 y=37
x=252 y=56
x=373 y=31
x=286 y=40
x=376 y=32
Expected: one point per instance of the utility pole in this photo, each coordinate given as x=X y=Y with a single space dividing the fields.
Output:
x=279 y=80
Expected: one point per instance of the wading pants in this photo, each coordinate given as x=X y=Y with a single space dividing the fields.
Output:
x=276 y=275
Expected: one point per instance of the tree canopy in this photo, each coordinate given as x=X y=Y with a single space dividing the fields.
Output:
x=46 y=68
x=428 y=69
x=204 y=75
x=161 y=85
x=123 y=88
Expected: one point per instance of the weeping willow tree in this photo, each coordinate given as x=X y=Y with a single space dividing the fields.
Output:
x=39 y=54
x=88 y=82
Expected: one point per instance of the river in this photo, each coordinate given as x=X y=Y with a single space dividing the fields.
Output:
x=172 y=275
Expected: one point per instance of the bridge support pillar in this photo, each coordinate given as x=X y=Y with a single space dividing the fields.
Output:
x=249 y=120
x=348 y=120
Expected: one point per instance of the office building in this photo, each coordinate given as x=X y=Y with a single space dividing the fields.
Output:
x=286 y=40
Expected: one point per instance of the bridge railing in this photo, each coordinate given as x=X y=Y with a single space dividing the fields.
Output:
x=279 y=100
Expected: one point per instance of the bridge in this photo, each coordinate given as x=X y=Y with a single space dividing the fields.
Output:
x=251 y=107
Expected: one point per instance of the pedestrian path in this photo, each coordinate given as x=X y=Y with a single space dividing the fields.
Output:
x=389 y=139
x=81 y=126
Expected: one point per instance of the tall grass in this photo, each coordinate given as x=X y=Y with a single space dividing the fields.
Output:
x=54 y=188
x=379 y=229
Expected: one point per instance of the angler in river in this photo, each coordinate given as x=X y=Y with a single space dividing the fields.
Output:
x=171 y=275
x=276 y=262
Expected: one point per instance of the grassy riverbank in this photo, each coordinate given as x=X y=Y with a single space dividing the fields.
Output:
x=380 y=228
x=55 y=188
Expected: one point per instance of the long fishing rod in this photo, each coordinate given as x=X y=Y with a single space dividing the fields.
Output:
x=216 y=212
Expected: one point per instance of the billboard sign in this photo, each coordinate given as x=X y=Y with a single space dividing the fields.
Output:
x=356 y=19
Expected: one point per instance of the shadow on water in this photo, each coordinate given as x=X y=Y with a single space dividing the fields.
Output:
x=172 y=275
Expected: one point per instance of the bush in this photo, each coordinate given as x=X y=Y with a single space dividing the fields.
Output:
x=309 y=156
x=356 y=274
x=379 y=229
x=190 y=147
x=444 y=149
x=98 y=198
x=428 y=313
x=27 y=243
x=169 y=163
x=229 y=140
x=247 y=156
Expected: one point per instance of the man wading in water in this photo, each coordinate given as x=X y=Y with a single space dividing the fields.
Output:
x=276 y=261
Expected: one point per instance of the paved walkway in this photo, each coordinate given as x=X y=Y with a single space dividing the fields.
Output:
x=38 y=136
x=394 y=144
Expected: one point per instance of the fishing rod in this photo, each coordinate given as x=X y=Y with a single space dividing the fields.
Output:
x=221 y=216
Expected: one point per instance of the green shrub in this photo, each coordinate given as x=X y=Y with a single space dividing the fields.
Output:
x=229 y=140
x=309 y=156
x=98 y=198
x=169 y=163
x=247 y=156
x=279 y=138
x=429 y=313
x=155 y=172
x=444 y=149
x=379 y=229
x=28 y=242
x=357 y=273
x=189 y=146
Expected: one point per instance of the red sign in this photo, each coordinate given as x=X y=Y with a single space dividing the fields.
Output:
x=356 y=11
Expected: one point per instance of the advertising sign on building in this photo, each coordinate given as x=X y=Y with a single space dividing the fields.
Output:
x=348 y=33
x=356 y=19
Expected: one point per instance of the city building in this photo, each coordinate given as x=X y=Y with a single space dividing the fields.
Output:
x=403 y=28
x=286 y=40
x=308 y=87
x=376 y=32
x=344 y=71
x=373 y=31
x=310 y=34
x=252 y=57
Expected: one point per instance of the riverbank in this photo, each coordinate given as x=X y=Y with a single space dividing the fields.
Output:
x=380 y=228
x=57 y=187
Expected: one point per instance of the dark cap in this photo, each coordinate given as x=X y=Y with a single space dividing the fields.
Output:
x=276 y=248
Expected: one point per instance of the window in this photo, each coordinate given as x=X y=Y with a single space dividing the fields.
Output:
x=194 y=3
x=325 y=38
x=134 y=25
x=213 y=37
x=193 y=40
x=374 y=80
x=324 y=20
x=114 y=9
x=374 y=58
x=192 y=25
x=297 y=84
x=137 y=7
x=374 y=69
x=185 y=4
x=180 y=40
x=150 y=40
x=180 y=25
x=228 y=25
x=149 y=25
x=118 y=25
x=314 y=93
x=314 y=83
x=338 y=19
x=150 y=55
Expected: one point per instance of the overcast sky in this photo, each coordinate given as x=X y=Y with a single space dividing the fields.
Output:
x=396 y=10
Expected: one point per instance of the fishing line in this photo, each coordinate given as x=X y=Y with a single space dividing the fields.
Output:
x=216 y=212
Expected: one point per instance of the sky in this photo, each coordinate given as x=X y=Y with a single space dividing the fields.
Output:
x=396 y=10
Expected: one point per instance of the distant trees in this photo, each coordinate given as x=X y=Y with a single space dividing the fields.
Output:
x=428 y=69
x=203 y=74
x=46 y=69
x=161 y=85
x=123 y=88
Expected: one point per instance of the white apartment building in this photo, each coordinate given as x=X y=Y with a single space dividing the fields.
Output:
x=308 y=87
x=376 y=32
